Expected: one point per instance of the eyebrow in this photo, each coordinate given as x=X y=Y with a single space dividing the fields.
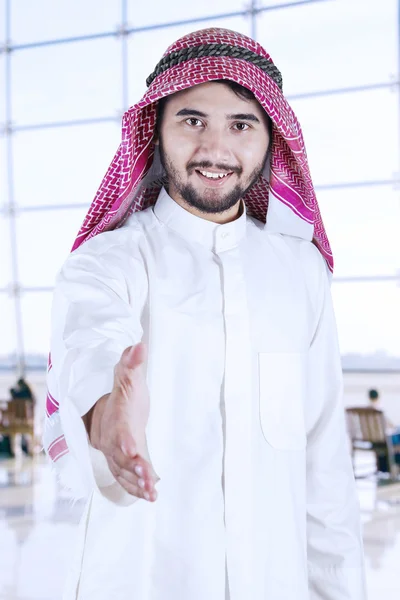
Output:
x=186 y=112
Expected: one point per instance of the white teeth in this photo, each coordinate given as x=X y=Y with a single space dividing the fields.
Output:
x=213 y=175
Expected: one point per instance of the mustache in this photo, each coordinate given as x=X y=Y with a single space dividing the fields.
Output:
x=206 y=164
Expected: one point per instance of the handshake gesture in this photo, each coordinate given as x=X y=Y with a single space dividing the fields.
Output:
x=117 y=426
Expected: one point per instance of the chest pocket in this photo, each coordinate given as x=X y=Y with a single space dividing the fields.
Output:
x=282 y=389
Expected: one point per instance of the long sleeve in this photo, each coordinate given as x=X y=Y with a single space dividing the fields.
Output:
x=96 y=314
x=334 y=538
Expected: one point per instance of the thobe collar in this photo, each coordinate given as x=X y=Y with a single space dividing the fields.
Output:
x=214 y=236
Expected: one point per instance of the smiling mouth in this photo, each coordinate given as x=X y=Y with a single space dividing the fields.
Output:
x=213 y=179
x=211 y=175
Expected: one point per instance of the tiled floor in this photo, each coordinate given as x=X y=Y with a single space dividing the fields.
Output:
x=38 y=524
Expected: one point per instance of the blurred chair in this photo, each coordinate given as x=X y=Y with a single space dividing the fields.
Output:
x=367 y=430
x=17 y=419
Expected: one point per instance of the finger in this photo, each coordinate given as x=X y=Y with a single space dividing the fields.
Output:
x=131 y=487
x=134 y=356
x=137 y=492
x=137 y=465
x=145 y=485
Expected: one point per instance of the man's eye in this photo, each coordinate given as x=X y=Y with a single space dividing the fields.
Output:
x=242 y=126
x=193 y=122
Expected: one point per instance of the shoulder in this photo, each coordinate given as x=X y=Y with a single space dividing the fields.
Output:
x=127 y=237
x=117 y=244
x=112 y=255
x=310 y=268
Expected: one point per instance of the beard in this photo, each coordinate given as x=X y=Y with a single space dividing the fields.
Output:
x=210 y=201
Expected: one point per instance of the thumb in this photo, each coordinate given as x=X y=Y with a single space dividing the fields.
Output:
x=134 y=356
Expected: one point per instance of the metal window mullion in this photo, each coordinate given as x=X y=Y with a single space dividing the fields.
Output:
x=398 y=79
x=124 y=55
x=253 y=19
x=15 y=287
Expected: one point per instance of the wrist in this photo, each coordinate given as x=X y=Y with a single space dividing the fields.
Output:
x=92 y=421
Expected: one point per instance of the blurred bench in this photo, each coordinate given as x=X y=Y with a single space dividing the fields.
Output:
x=368 y=431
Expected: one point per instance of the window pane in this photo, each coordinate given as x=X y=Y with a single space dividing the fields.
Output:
x=362 y=226
x=5 y=252
x=344 y=138
x=36 y=315
x=180 y=10
x=53 y=233
x=68 y=81
x=368 y=318
x=62 y=165
x=49 y=20
x=157 y=42
x=8 y=336
x=326 y=45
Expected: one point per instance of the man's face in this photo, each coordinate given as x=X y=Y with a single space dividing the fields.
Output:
x=207 y=131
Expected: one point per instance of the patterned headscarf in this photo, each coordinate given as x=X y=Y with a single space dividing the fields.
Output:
x=283 y=198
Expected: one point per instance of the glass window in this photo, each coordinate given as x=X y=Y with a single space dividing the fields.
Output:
x=327 y=45
x=156 y=43
x=180 y=10
x=362 y=226
x=67 y=81
x=346 y=140
x=36 y=330
x=64 y=18
x=5 y=252
x=368 y=318
x=62 y=165
x=44 y=241
x=8 y=339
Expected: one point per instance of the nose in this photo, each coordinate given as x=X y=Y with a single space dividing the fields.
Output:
x=215 y=147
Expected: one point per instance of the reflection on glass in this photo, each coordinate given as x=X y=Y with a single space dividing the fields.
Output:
x=344 y=139
x=67 y=81
x=49 y=20
x=368 y=318
x=157 y=42
x=362 y=225
x=325 y=45
x=62 y=166
x=44 y=241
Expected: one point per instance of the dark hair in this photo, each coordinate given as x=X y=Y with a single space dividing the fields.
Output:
x=373 y=395
x=241 y=91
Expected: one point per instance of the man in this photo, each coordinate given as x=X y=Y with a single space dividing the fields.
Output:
x=195 y=379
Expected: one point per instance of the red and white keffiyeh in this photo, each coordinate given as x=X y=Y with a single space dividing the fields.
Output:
x=284 y=198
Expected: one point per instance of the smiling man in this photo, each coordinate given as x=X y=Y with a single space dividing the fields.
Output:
x=195 y=393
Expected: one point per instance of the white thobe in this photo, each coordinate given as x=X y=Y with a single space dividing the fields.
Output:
x=257 y=496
